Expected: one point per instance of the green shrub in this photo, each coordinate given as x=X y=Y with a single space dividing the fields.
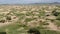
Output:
x=29 y=19
x=8 y=17
x=34 y=31
x=3 y=21
x=57 y=23
x=41 y=13
x=45 y=23
x=2 y=32
x=55 y=13
x=58 y=18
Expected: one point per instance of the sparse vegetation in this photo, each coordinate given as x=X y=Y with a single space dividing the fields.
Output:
x=30 y=19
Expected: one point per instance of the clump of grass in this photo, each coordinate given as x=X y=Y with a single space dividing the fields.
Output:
x=49 y=32
x=41 y=13
x=29 y=14
x=19 y=14
x=29 y=19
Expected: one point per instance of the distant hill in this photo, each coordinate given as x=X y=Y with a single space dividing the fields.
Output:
x=54 y=3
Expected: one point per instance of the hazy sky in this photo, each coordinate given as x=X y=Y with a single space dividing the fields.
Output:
x=26 y=1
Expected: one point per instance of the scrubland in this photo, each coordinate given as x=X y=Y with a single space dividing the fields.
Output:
x=19 y=19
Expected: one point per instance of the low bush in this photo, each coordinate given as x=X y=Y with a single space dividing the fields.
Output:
x=8 y=17
x=2 y=21
x=34 y=31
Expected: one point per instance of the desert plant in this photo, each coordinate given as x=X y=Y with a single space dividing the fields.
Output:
x=58 y=18
x=46 y=24
x=8 y=17
x=29 y=19
x=55 y=13
x=2 y=21
x=34 y=31
x=2 y=32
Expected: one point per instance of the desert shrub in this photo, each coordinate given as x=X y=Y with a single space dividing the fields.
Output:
x=57 y=23
x=48 y=15
x=49 y=32
x=2 y=32
x=58 y=18
x=34 y=31
x=29 y=14
x=19 y=14
x=52 y=20
x=55 y=13
x=45 y=23
x=2 y=21
x=8 y=17
x=41 y=13
x=29 y=19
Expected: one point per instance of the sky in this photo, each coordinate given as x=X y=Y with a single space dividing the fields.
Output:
x=26 y=1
